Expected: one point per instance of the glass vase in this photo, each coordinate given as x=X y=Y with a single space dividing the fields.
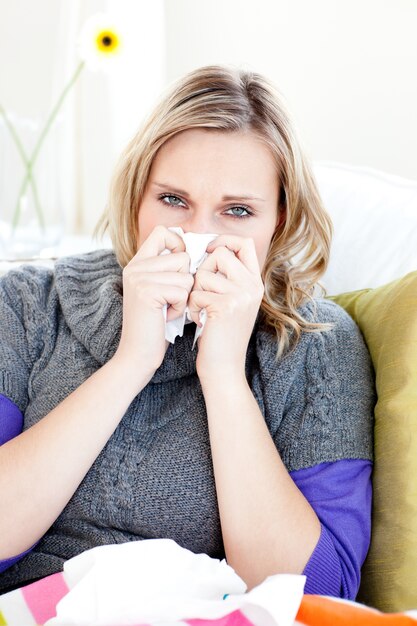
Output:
x=31 y=219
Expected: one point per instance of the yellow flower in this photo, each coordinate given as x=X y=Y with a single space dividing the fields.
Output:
x=100 y=40
x=107 y=42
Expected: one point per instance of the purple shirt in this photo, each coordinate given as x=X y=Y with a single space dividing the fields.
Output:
x=340 y=494
x=11 y=420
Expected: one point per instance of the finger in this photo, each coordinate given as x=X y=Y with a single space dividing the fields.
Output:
x=160 y=239
x=170 y=295
x=206 y=280
x=178 y=279
x=242 y=247
x=225 y=261
x=176 y=262
x=177 y=304
x=211 y=302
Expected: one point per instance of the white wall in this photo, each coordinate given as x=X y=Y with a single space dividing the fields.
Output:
x=38 y=55
x=347 y=69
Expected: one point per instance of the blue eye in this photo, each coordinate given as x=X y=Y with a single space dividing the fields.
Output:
x=240 y=215
x=179 y=203
x=170 y=200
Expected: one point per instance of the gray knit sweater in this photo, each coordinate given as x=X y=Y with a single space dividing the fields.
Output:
x=154 y=477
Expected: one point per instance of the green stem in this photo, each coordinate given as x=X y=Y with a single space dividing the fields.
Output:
x=31 y=162
x=37 y=202
x=15 y=136
x=16 y=214
x=54 y=112
x=29 y=175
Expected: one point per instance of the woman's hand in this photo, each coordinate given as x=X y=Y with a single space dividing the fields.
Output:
x=151 y=281
x=228 y=285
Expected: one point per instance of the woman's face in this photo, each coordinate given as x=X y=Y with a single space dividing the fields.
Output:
x=213 y=182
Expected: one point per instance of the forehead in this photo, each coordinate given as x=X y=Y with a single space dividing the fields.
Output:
x=196 y=155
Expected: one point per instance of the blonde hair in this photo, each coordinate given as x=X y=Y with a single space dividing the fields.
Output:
x=228 y=99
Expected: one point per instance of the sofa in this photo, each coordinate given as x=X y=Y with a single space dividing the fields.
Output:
x=373 y=274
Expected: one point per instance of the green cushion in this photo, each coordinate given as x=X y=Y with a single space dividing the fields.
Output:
x=387 y=317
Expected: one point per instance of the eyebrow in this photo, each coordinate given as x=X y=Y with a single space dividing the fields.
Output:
x=226 y=198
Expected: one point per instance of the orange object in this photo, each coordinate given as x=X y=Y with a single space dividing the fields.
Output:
x=319 y=611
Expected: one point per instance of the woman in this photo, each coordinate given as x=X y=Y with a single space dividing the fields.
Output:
x=257 y=446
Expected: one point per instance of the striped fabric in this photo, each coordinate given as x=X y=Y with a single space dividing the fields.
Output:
x=35 y=604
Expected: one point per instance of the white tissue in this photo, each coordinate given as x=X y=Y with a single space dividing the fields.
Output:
x=195 y=245
x=157 y=581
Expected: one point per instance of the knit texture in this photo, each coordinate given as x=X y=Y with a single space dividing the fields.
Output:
x=154 y=477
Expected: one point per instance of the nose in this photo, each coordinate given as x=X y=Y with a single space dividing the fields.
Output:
x=197 y=222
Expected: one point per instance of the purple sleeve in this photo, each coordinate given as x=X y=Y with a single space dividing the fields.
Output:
x=11 y=420
x=6 y=563
x=11 y=424
x=341 y=495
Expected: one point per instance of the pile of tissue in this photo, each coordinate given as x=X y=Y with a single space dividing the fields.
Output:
x=157 y=581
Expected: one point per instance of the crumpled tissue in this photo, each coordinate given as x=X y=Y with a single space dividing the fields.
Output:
x=156 y=580
x=195 y=245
